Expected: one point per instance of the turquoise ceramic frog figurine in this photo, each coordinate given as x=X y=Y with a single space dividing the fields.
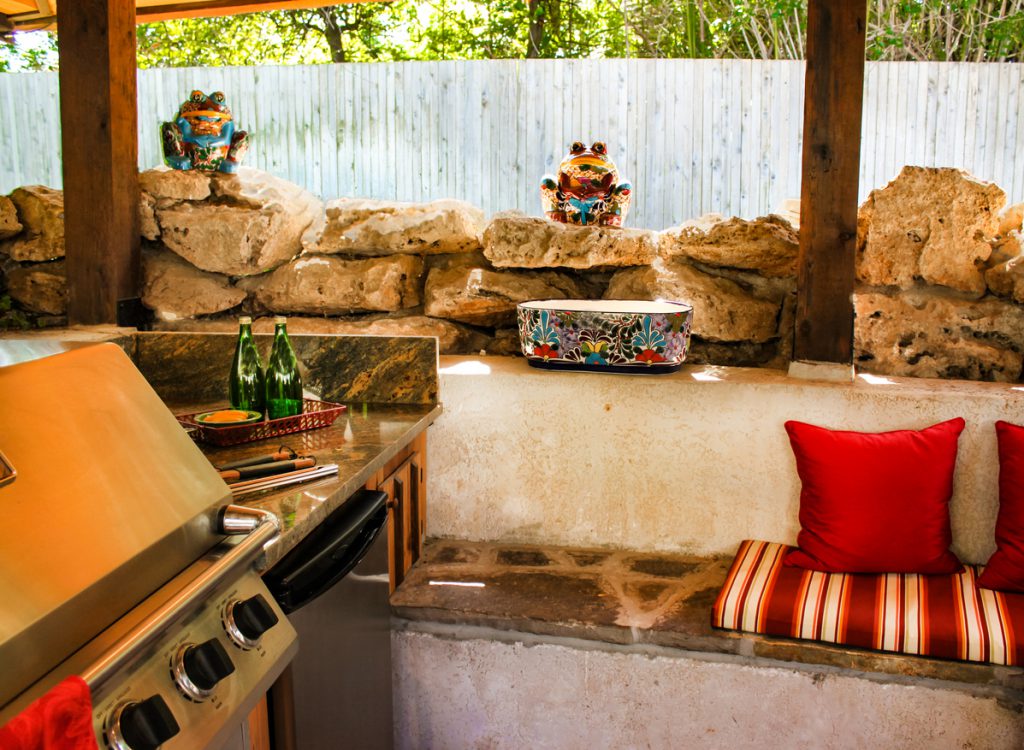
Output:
x=203 y=136
x=587 y=189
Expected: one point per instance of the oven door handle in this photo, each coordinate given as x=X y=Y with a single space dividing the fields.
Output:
x=144 y=634
x=330 y=553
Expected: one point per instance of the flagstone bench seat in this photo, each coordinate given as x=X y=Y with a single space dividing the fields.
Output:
x=640 y=599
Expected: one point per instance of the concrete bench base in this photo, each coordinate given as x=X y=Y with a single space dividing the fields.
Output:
x=516 y=646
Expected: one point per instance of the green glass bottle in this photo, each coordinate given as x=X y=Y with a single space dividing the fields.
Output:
x=245 y=383
x=284 y=384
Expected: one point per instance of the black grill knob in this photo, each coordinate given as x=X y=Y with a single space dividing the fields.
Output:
x=207 y=664
x=254 y=617
x=148 y=724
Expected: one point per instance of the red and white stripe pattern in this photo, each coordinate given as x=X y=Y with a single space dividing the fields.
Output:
x=943 y=616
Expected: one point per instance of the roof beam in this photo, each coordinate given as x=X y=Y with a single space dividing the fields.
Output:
x=833 y=102
x=149 y=11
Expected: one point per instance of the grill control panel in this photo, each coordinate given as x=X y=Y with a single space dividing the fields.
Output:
x=193 y=687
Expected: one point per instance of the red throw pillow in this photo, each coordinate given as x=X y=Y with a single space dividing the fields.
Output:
x=1005 y=569
x=875 y=502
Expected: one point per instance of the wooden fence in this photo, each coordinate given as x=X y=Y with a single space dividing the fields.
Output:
x=694 y=136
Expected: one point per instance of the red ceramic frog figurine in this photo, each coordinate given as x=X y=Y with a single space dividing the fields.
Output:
x=587 y=190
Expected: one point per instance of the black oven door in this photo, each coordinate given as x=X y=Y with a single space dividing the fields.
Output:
x=337 y=691
x=330 y=552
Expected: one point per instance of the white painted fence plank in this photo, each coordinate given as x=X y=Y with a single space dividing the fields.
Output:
x=692 y=135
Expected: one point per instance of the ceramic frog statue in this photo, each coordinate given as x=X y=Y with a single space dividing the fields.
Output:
x=203 y=136
x=587 y=190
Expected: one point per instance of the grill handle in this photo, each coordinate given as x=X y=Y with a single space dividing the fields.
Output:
x=153 y=627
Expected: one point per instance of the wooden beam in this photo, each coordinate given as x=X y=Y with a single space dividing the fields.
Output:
x=833 y=99
x=209 y=8
x=149 y=11
x=99 y=139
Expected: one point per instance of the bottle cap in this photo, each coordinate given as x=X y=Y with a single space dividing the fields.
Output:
x=280 y=320
x=245 y=320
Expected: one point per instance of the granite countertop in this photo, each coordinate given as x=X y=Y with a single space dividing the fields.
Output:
x=361 y=441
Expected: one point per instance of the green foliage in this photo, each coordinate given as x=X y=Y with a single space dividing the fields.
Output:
x=10 y=318
x=28 y=52
x=250 y=39
x=974 y=30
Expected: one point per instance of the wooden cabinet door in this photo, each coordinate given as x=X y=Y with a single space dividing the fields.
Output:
x=403 y=479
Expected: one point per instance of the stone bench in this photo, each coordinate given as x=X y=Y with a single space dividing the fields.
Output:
x=486 y=600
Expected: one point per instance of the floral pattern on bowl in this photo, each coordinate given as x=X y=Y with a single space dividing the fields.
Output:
x=605 y=335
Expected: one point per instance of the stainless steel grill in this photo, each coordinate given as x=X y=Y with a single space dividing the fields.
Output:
x=114 y=564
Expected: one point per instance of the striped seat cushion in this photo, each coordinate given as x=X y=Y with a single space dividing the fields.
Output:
x=943 y=616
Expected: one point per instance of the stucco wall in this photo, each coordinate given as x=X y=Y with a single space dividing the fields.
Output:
x=690 y=462
x=456 y=693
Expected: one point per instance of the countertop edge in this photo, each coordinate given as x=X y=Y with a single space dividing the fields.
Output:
x=340 y=490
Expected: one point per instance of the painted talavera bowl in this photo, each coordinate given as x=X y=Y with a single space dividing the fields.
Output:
x=605 y=335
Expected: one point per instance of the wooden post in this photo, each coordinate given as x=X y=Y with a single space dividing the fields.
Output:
x=833 y=98
x=99 y=138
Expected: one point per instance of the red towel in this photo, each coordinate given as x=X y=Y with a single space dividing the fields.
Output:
x=60 y=720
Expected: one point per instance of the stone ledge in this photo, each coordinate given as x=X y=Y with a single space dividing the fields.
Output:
x=624 y=598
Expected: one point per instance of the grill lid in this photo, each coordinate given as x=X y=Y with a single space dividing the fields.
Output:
x=110 y=500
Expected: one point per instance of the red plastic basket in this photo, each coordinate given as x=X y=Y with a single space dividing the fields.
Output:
x=315 y=414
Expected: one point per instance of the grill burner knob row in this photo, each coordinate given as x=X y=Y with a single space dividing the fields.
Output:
x=246 y=621
x=197 y=669
x=142 y=726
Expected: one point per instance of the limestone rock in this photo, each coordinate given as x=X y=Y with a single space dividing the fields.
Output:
x=1011 y=219
x=929 y=335
x=505 y=343
x=928 y=223
x=41 y=287
x=167 y=185
x=357 y=226
x=700 y=225
x=41 y=211
x=722 y=310
x=452 y=338
x=1004 y=248
x=325 y=285
x=732 y=354
x=256 y=224
x=488 y=298
x=9 y=224
x=175 y=289
x=1007 y=278
x=789 y=209
x=768 y=245
x=514 y=240
x=148 y=227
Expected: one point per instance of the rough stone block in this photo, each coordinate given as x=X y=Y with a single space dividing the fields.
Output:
x=175 y=289
x=768 y=245
x=1011 y=219
x=256 y=224
x=514 y=240
x=41 y=287
x=175 y=184
x=722 y=309
x=479 y=296
x=932 y=224
x=326 y=285
x=1007 y=277
x=9 y=224
x=452 y=338
x=41 y=212
x=356 y=226
x=929 y=335
x=148 y=226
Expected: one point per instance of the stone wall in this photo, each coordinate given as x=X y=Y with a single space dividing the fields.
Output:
x=940 y=280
